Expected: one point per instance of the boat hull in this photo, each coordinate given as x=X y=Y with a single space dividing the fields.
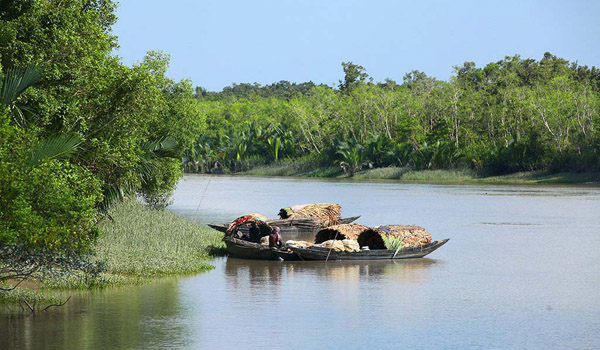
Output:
x=320 y=253
x=237 y=248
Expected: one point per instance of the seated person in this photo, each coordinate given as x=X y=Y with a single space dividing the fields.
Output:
x=275 y=238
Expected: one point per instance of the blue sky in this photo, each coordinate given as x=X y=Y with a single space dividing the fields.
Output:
x=216 y=43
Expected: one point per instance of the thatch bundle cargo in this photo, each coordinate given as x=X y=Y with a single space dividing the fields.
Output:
x=405 y=236
x=341 y=232
x=351 y=246
x=298 y=244
x=346 y=245
x=410 y=236
x=324 y=213
x=335 y=245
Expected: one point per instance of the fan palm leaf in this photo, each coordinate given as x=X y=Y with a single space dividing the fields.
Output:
x=54 y=147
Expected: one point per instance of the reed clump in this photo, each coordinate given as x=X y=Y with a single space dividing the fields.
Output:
x=148 y=243
x=141 y=243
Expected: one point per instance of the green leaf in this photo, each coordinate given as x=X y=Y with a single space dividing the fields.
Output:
x=16 y=81
x=54 y=147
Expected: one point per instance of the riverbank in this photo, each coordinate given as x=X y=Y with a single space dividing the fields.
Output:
x=137 y=245
x=425 y=176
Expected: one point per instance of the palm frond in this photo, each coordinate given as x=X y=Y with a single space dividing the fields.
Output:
x=111 y=194
x=54 y=147
x=162 y=147
x=15 y=81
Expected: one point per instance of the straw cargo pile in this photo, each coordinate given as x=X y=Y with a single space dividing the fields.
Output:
x=411 y=236
x=346 y=245
x=324 y=213
x=340 y=232
x=298 y=244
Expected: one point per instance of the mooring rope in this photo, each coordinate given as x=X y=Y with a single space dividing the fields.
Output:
x=329 y=252
x=202 y=197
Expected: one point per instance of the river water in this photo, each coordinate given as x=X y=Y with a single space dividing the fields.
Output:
x=521 y=271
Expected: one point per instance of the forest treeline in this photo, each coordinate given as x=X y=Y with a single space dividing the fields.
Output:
x=512 y=115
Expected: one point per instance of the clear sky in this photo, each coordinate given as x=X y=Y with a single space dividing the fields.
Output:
x=218 y=42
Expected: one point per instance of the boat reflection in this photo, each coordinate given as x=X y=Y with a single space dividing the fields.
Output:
x=257 y=273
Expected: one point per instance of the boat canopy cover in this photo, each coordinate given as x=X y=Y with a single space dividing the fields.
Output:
x=327 y=214
x=260 y=220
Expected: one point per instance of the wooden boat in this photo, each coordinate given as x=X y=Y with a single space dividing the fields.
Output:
x=289 y=226
x=242 y=248
x=237 y=248
x=322 y=253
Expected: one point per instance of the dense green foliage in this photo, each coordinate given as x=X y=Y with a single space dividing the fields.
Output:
x=512 y=115
x=79 y=130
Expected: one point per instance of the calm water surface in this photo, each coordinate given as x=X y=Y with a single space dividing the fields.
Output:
x=521 y=271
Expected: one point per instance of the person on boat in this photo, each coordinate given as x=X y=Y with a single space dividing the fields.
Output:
x=254 y=232
x=275 y=238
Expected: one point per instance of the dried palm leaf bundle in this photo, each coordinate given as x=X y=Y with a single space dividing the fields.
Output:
x=409 y=235
x=351 y=246
x=382 y=237
x=326 y=214
x=340 y=232
x=298 y=244
x=333 y=244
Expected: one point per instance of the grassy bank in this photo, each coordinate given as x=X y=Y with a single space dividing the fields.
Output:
x=426 y=176
x=136 y=245
x=140 y=243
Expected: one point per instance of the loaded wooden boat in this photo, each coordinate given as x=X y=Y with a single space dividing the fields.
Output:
x=322 y=253
x=239 y=243
x=358 y=242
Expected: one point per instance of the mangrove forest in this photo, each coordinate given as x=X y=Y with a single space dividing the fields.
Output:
x=80 y=131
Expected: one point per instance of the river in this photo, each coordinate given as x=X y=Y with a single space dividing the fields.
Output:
x=521 y=271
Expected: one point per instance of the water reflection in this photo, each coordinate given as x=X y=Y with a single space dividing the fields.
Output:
x=257 y=274
x=132 y=317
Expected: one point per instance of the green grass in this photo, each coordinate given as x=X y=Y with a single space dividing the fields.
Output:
x=468 y=175
x=300 y=168
x=148 y=243
x=458 y=175
x=427 y=176
x=542 y=177
x=141 y=243
x=332 y=171
x=33 y=297
x=280 y=169
x=137 y=245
